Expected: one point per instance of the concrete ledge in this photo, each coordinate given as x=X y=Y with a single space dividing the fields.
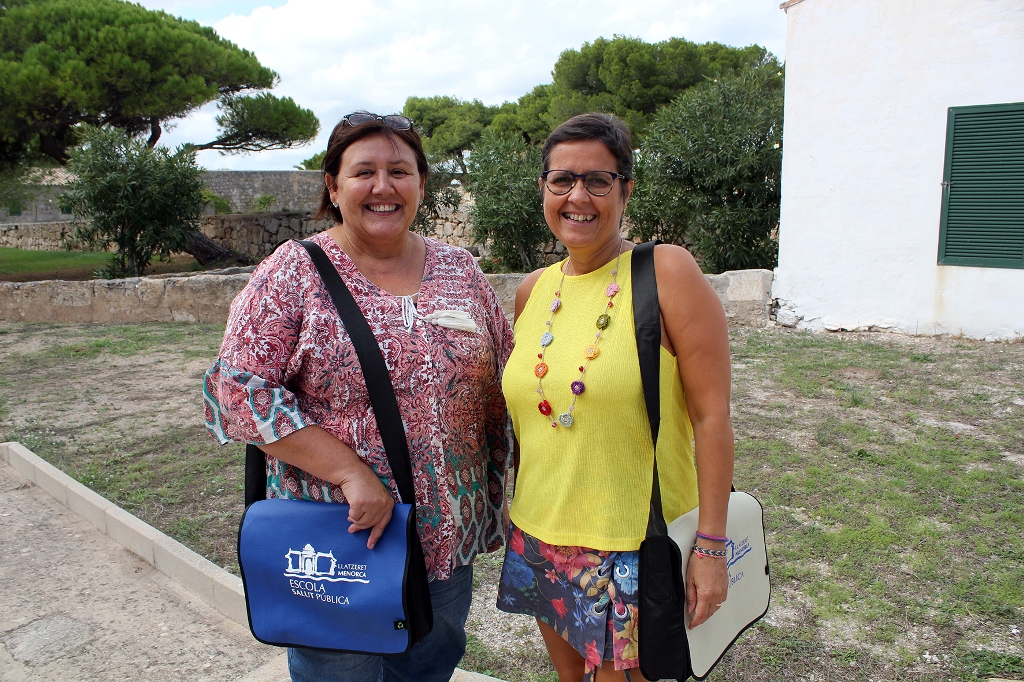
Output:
x=131 y=533
x=89 y=505
x=185 y=567
x=229 y=597
x=52 y=480
x=204 y=579
x=746 y=295
x=465 y=676
x=206 y=298
x=23 y=460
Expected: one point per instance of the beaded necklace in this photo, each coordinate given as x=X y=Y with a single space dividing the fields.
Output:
x=590 y=353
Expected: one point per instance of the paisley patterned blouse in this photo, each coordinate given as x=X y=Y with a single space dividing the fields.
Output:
x=287 y=362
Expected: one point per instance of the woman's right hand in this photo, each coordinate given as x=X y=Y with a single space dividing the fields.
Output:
x=319 y=453
x=370 y=503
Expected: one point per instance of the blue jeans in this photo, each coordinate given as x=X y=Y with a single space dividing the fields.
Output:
x=431 y=660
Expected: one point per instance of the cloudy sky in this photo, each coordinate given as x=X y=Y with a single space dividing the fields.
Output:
x=337 y=56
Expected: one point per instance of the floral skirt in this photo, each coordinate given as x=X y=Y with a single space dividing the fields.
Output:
x=587 y=596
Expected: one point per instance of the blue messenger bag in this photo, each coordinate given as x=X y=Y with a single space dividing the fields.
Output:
x=308 y=581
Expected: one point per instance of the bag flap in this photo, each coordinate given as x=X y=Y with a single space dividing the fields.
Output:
x=309 y=582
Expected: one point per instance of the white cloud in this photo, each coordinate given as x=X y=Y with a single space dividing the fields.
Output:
x=336 y=56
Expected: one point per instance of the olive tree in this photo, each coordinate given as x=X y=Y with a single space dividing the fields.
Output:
x=708 y=171
x=507 y=210
x=145 y=200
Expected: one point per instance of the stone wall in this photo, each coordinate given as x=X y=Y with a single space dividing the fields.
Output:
x=206 y=297
x=38 y=236
x=295 y=190
x=256 y=235
x=42 y=209
x=196 y=298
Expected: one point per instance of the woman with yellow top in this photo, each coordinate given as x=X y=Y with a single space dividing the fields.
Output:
x=585 y=459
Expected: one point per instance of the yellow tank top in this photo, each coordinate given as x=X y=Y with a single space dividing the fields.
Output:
x=590 y=484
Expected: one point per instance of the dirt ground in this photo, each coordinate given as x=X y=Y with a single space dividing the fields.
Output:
x=891 y=469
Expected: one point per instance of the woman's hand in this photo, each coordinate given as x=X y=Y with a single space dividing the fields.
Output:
x=707 y=587
x=370 y=503
x=319 y=453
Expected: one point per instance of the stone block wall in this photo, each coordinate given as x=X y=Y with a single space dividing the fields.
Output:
x=50 y=236
x=42 y=209
x=256 y=235
x=295 y=190
x=206 y=297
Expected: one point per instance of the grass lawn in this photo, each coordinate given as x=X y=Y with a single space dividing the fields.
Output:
x=21 y=265
x=891 y=470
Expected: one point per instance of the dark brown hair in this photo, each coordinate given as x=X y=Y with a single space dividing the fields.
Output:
x=343 y=136
x=608 y=129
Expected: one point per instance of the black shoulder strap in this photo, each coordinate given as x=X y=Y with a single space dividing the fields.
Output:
x=378 y=384
x=647 y=320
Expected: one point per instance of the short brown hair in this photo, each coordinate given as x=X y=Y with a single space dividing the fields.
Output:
x=343 y=136
x=608 y=129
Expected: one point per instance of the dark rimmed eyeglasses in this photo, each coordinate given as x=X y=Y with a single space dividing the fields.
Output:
x=598 y=183
x=392 y=121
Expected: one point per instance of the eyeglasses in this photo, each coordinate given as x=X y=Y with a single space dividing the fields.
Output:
x=392 y=121
x=598 y=183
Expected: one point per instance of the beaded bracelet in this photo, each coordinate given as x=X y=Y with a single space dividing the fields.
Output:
x=711 y=538
x=713 y=553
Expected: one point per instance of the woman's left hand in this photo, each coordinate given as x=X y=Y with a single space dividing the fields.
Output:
x=707 y=587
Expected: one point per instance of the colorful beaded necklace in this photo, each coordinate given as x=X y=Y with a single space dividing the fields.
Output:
x=590 y=353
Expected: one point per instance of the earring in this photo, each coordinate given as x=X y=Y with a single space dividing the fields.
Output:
x=335 y=205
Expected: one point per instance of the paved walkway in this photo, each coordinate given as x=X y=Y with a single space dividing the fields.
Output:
x=90 y=592
x=75 y=605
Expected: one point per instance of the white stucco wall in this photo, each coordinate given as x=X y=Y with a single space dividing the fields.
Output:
x=868 y=85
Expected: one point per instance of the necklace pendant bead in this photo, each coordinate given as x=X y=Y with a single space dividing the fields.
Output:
x=577 y=387
x=603 y=321
x=541 y=370
x=544 y=407
x=591 y=352
x=612 y=289
x=556 y=304
x=565 y=419
x=546 y=339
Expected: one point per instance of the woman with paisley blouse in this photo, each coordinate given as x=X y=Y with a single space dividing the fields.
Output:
x=287 y=379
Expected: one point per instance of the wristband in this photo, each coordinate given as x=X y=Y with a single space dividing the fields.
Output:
x=713 y=553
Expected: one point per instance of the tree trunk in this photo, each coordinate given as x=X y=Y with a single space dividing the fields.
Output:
x=154 y=132
x=207 y=251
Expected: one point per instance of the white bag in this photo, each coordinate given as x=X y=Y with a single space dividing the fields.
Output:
x=749 y=584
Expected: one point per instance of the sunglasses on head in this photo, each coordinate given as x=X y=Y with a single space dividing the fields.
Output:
x=391 y=121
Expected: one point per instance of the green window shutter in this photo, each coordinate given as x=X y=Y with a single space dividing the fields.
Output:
x=983 y=187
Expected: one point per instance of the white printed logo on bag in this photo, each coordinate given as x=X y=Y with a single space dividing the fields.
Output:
x=308 y=569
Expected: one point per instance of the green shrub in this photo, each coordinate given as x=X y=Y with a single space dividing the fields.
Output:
x=262 y=203
x=440 y=195
x=312 y=163
x=219 y=203
x=507 y=211
x=708 y=171
x=145 y=200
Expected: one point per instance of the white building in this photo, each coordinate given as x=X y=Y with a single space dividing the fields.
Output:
x=902 y=190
